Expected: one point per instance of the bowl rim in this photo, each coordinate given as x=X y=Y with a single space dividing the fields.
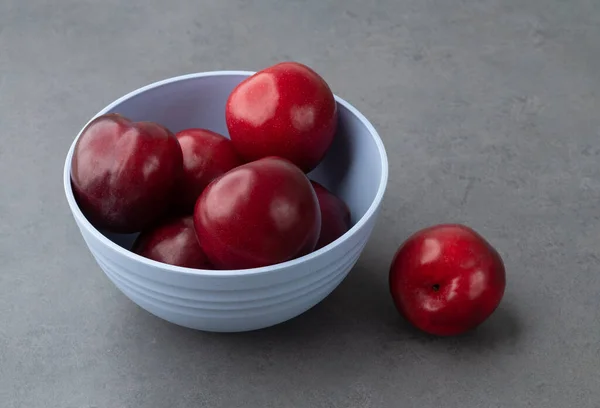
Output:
x=83 y=222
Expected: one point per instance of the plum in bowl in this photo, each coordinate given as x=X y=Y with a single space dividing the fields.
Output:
x=355 y=169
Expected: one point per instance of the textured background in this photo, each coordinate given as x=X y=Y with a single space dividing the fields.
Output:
x=490 y=113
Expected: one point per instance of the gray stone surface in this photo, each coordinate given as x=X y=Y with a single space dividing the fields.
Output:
x=490 y=113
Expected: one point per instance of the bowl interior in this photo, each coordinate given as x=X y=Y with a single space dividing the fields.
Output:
x=353 y=168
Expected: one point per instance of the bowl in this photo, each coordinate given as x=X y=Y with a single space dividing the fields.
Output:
x=355 y=168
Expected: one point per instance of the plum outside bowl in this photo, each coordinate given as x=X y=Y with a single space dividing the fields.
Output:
x=355 y=168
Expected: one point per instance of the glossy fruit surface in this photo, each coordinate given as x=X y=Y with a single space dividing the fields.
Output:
x=206 y=155
x=172 y=242
x=286 y=110
x=123 y=172
x=335 y=215
x=261 y=213
x=447 y=279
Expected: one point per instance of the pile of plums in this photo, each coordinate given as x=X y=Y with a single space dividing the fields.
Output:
x=203 y=201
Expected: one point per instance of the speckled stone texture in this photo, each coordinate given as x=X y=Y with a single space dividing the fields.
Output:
x=490 y=113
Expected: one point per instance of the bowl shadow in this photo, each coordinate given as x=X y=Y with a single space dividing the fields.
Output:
x=356 y=303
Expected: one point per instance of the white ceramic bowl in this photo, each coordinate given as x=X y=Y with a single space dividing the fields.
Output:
x=355 y=168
